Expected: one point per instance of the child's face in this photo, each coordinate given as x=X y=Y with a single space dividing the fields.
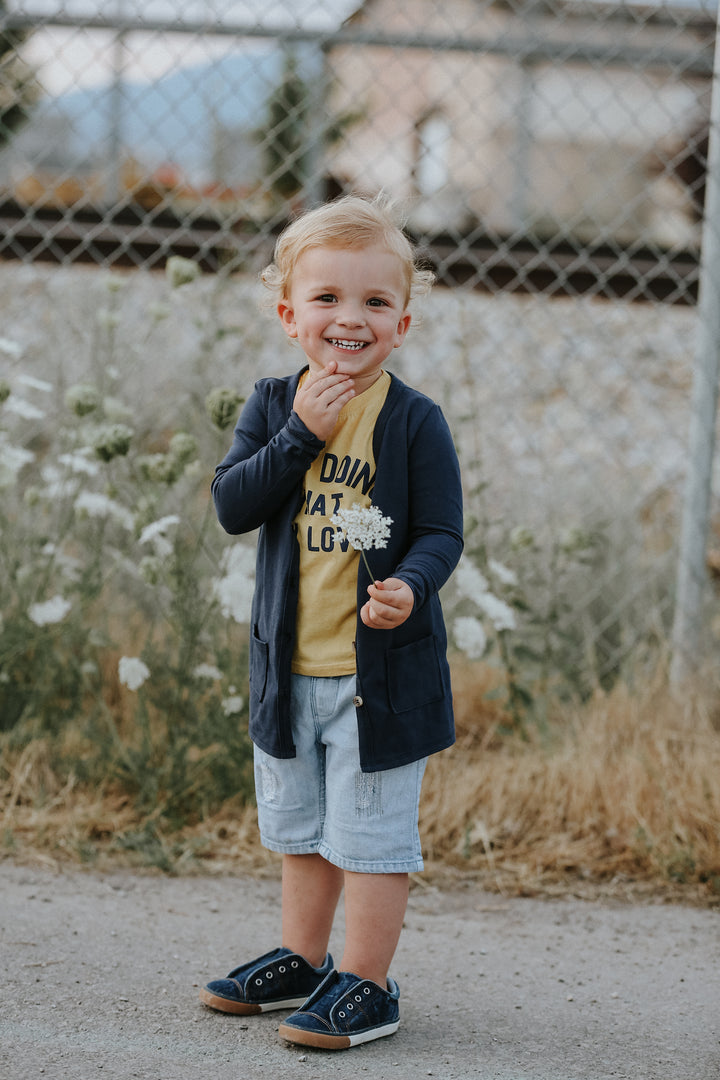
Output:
x=347 y=305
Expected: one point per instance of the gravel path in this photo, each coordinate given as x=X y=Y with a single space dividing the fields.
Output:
x=101 y=974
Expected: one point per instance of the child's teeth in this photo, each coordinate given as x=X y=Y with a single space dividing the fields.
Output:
x=353 y=345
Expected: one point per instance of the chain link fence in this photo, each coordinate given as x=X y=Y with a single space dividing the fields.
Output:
x=552 y=156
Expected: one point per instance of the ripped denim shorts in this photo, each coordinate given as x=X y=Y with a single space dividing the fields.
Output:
x=321 y=802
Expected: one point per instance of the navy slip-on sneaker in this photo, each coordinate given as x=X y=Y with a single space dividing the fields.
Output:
x=344 y=1011
x=280 y=979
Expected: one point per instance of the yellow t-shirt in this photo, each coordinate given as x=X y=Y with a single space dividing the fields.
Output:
x=342 y=475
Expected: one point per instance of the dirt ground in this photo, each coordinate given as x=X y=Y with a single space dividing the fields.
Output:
x=102 y=970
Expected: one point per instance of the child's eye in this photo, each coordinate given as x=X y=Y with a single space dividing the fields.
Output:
x=327 y=298
x=376 y=301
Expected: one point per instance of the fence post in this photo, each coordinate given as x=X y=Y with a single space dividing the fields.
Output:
x=691 y=570
x=317 y=74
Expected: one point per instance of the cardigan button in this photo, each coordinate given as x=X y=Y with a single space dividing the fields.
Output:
x=357 y=701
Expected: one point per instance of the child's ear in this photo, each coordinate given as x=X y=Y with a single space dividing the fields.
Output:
x=402 y=329
x=287 y=318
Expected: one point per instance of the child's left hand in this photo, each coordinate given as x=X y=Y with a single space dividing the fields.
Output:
x=391 y=602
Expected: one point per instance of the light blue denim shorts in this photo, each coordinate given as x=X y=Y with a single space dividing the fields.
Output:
x=321 y=802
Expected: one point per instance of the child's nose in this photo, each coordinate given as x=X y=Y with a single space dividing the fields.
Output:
x=351 y=315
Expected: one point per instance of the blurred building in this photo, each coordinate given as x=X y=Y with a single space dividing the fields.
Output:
x=546 y=121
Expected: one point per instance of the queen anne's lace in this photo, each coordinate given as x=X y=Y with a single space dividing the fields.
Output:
x=132 y=672
x=51 y=611
x=470 y=637
x=364 y=526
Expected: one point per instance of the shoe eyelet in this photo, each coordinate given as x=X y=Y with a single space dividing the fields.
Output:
x=258 y=982
x=366 y=991
x=341 y=1015
x=294 y=964
x=358 y=998
x=281 y=970
x=268 y=974
x=349 y=1006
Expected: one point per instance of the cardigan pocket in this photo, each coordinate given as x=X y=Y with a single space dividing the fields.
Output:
x=413 y=675
x=259 y=657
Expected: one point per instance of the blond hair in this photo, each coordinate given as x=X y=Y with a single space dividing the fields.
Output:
x=349 y=222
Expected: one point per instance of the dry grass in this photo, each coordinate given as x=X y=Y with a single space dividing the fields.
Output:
x=627 y=790
x=622 y=797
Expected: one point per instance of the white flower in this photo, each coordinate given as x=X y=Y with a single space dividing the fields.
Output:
x=12 y=460
x=235 y=590
x=469 y=581
x=95 y=504
x=207 y=671
x=470 y=636
x=155 y=534
x=233 y=705
x=500 y=614
x=57 y=484
x=80 y=462
x=23 y=408
x=504 y=575
x=364 y=526
x=35 y=384
x=132 y=672
x=51 y=611
x=71 y=567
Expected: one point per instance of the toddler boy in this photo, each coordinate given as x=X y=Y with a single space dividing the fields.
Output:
x=349 y=681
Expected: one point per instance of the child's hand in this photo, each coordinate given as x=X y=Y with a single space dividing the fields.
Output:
x=321 y=397
x=391 y=602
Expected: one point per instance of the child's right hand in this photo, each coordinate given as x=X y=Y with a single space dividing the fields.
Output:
x=321 y=397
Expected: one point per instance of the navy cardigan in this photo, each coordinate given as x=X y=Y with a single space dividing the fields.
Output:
x=403 y=697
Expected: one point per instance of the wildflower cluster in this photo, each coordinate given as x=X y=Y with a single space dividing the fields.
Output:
x=132 y=672
x=222 y=407
x=111 y=550
x=524 y=628
x=113 y=440
x=473 y=586
x=181 y=271
x=364 y=527
x=234 y=590
x=83 y=399
x=167 y=468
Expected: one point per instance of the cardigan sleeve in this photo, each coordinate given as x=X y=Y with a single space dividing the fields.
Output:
x=263 y=467
x=435 y=509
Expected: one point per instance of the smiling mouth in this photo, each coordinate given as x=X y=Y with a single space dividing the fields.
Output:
x=349 y=346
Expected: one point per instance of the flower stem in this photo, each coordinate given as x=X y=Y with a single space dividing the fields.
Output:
x=367 y=564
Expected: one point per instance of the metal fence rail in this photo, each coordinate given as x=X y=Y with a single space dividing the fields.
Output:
x=585 y=123
x=547 y=151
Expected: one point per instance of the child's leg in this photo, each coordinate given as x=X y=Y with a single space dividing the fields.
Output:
x=374 y=911
x=311 y=887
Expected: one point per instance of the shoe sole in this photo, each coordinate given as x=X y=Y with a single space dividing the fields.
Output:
x=244 y=1008
x=301 y=1037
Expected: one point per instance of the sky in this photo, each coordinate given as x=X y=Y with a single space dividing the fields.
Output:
x=270 y=12
x=72 y=58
